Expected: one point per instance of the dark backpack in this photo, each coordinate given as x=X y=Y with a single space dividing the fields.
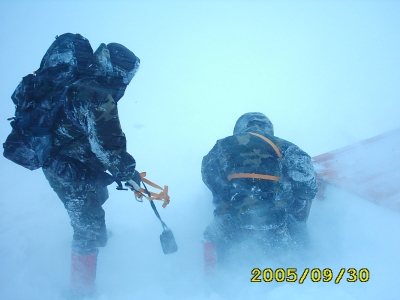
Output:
x=39 y=97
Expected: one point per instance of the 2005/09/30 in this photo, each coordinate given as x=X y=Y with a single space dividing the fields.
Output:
x=316 y=275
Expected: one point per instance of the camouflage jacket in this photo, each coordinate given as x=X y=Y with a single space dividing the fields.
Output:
x=88 y=129
x=259 y=202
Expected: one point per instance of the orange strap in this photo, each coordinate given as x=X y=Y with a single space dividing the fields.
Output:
x=259 y=176
x=153 y=196
x=252 y=175
x=269 y=142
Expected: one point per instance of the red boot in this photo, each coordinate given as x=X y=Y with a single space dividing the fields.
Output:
x=83 y=274
x=210 y=259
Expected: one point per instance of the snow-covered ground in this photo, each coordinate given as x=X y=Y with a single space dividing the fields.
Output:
x=346 y=232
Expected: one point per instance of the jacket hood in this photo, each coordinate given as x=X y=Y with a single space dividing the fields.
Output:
x=254 y=122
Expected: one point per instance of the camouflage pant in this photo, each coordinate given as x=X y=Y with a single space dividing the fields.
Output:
x=225 y=232
x=83 y=192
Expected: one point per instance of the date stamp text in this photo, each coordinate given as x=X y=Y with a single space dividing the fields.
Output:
x=316 y=275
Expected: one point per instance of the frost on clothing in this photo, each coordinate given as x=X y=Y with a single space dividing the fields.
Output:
x=95 y=137
x=83 y=194
x=90 y=141
x=248 y=206
x=71 y=102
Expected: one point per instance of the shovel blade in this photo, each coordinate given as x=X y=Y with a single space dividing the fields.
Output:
x=168 y=242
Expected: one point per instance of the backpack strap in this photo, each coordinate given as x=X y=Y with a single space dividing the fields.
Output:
x=253 y=175
x=259 y=176
x=269 y=142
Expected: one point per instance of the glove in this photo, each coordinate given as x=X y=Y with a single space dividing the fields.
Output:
x=134 y=183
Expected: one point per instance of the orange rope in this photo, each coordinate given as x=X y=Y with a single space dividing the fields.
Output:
x=252 y=175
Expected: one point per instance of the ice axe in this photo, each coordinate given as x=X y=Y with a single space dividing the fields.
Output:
x=167 y=239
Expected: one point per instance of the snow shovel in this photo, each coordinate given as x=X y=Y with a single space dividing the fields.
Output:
x=167 y=239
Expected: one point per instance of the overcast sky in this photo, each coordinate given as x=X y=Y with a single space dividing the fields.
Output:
x=326 y=73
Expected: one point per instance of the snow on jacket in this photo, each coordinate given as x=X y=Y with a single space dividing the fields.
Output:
x=89 y=130
x=260 y=203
